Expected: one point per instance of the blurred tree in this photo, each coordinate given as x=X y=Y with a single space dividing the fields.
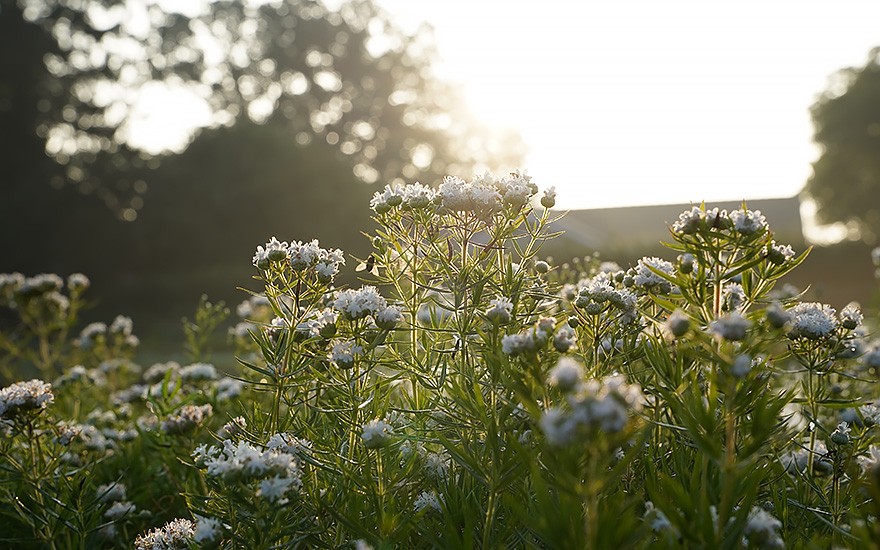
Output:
x=215 y=124
x=846 y=178
x=111 y=87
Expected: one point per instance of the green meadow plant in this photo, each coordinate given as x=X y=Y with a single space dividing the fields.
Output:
x=469 y=393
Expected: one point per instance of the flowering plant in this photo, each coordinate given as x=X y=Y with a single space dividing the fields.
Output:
x=467 y=394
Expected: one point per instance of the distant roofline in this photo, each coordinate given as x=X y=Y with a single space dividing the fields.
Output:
x=683 y=205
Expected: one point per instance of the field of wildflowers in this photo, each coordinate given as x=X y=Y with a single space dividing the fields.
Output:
x=471 y=394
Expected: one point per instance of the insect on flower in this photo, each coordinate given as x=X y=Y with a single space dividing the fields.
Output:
x=368 y=265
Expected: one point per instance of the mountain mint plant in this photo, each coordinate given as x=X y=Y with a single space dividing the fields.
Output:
x=468 y=393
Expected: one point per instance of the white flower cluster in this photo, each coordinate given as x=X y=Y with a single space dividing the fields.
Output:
x=779 y=253
x=762 y=528
x=656 y=518
x=851 y=316
x=484 y=194
x=121 y=327
x=300 y=256
x=732 y=326
x=78 y=282
x=157 y=371
x=530 y=340
x=499 y=310
x=228 y=388
x=357 y=304
x=278 y=471
x=111 y=492
x=733 y=297
x=647 y=280
x=376 y=433
x=564 y=338
x=605 y=405
x=289 y=443
x=119 y=510
x=187 y=418
x=427 y=500
x=870 y=463
x=233 y=428
x=388 y=318
x=198 y=371
x=40 y=284
x=567 y=375
x=344 y=352
x=594 y=295
x=178 y=534
x=23 y=397
x=319 y=322
x=745 y=222
x=812 y=320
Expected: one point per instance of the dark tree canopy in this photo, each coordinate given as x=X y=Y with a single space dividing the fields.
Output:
x=846 y=178
x=346 y=76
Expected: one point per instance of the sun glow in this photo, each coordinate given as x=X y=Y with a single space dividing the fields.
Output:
x=641 y=102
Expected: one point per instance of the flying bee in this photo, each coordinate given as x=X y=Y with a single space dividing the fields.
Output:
x=369 y=265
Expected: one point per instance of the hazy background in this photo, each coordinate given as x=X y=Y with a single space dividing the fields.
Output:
x=152 y=144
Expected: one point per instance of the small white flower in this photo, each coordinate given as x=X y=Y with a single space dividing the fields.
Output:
x=176 y=534
x=25 y=396
x=747 y=222
x=761 y=529
x=427 y=500
x=187 y=418
x=111 y=492
x=567 y=374
x=649 y=281
x=273 y=489
x=344 y=353
x=207 y=529
x=499 y=310
x=376 y=433
x=730 y=327
x=851 y=316
x=812 y=320
x=388 y=318
x=198 y=371
x=119 y=510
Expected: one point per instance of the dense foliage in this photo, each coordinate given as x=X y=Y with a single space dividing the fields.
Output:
x=846 y=177
x=469 y=395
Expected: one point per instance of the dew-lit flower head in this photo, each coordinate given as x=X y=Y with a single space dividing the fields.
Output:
x=779 y=253
x=357 y=304
x=748 y=222
x=548 y=200
x=851 y=316
x=344 y=353
x=646 y=279
x=272 y=251
x=388 y=318
x=376 y=433
x=499 y=310
x=762 y=528
x=732 y=326
x=77 y=282
x=187 y=418
x=567 y=374
x=177 y=534
x=417 y=196
x=812 y=320
x=23 y=397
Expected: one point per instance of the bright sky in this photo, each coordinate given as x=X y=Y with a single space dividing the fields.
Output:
x=641 y=102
